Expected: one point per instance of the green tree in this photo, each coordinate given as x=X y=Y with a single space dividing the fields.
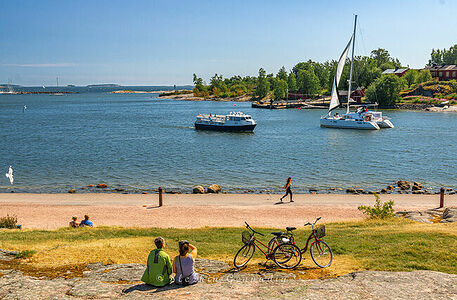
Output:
x=307 y=82
x=292 y=83
x=384 y=60
x=436 y=57
x=282 y=74
x=200 y=89
x=280 y=89
x=424 y=76
x=218 y=86
x=385 y=90
x=263 y=85
x=411 y=77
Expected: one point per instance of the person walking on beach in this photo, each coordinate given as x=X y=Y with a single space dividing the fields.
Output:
x=158 y=267
x=288 y=190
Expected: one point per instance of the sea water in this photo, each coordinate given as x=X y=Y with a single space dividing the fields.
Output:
x=138 y=142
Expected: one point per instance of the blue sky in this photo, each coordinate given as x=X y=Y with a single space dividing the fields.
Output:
x=165 y=42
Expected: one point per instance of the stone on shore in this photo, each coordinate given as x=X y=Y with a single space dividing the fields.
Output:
x=102 y=185
x=198 y=189
x=214 y=188
x=404 y=185
x=72 y=191
x=350 y=191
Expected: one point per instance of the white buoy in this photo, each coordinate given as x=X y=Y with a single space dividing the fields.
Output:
x=10 y=174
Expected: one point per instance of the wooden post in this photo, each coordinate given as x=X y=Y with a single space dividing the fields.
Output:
x=160 y=196
x=442 y=197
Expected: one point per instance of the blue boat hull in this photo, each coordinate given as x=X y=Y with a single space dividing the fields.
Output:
x=225 y=128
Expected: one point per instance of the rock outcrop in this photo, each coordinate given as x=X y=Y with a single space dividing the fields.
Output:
x=435 y=215
x=219 y=282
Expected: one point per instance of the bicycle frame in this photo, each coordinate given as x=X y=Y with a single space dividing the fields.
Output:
x=311 y=236
x=255 y=241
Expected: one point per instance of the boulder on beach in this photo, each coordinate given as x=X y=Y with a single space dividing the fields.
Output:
x=390 y=187
x=384 y=191
x=214 y=188
x=417 y=184
x=360 y=191
x=90 y=185
x=404 y=185
x=102 y=185
x=72 y=191
x=417 y=191
x=350 y=191
x=198 y=190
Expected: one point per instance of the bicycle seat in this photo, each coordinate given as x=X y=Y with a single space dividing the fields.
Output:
x=290 y=228
x=278 y=233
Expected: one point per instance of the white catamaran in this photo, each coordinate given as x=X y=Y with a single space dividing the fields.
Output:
x=362 y=119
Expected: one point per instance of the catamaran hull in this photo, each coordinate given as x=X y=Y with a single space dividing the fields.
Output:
x=225 y=128
x=349 y=124
x=385 y=124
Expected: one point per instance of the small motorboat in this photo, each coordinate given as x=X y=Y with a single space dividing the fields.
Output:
x=235 y=121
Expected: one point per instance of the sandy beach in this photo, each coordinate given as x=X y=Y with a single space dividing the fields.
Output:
x=52 y=211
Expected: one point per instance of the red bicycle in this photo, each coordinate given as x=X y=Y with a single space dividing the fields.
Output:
x=285 y=255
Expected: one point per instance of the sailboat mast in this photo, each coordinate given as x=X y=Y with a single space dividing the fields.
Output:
x=352 y=64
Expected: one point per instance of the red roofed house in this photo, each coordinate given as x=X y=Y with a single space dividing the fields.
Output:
x=396 y=71
x=443 y=72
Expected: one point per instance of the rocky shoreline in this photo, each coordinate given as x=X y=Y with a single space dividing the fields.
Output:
x=220 y=281
x=400 y=187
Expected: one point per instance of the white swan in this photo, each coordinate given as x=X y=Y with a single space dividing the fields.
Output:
x=10 y=175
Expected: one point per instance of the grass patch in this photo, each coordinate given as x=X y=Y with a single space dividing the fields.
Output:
x=391 y=245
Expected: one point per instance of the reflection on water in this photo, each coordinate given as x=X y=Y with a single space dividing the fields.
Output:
x=140 y=142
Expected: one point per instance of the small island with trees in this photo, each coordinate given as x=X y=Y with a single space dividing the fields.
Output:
x=379 y=78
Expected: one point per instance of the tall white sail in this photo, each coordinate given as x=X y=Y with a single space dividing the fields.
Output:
x=335 y=101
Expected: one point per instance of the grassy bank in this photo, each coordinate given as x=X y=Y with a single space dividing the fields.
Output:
x=392 y=245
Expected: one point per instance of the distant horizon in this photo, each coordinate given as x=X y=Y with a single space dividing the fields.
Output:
x=161 y=43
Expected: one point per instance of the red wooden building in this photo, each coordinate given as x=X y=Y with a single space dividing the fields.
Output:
x=443 y=72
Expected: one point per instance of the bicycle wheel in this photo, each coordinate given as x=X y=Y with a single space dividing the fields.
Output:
x=321 y=253
x=287 y=256
x=243 y=255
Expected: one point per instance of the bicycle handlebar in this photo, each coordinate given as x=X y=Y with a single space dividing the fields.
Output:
x=249 y=227
x=308 y=223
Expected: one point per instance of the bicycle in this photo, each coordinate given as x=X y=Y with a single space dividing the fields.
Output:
x=285 y=255
x=320 y=251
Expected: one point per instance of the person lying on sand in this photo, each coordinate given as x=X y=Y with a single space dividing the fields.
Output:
x=158 y=267
x=73 y=223
x=183 y=264
x=86 y=222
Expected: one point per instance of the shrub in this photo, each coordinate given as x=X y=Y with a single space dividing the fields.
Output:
x=25 y=254
x=8 y=222
x=380 y=210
